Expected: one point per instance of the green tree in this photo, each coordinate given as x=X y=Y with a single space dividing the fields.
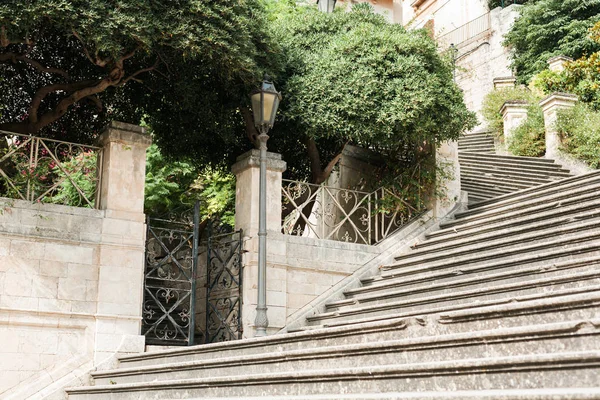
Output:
x=173 y=186
x=581 y=77
x=547 y=28
x=71 y=65
x=354 y=77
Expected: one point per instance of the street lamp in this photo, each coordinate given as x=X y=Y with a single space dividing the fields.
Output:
x=326 y=6
x=265 y=102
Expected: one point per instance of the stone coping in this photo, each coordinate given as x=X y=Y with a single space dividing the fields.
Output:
x=8 y=203
x=503 y=79
x=567 y=97
x=513 y=104
x=251 y=159
x=127 y=134
x=559 y=58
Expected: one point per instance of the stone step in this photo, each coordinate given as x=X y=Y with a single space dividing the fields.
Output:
x=483 y=180
x=539 y=191
x=473 y=145
x=518 y=173
x=568 y=336
x=475 y=140
x=521 y=273
x=547 y=260
x=525 y=181
x=586 y=235
x=502 y=240
x=541 y=307
x=491 y=159
x=556 y=370
x=507 y=157
x=484 y=184
x=301 y=340
x=527 y=394
x=509 y=165
x=473 y=199
x=408 y=300
x=480 y=148
x=485 y=191
x=517 y=210
x=537 y=222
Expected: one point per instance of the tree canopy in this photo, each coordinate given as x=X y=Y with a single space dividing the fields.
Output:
x=354 y=77
x=547 y=28
x=71 y=65
x=186 y=67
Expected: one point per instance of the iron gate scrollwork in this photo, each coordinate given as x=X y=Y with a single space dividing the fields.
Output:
x=170 y=281
x=224 y=284
x=190 y=299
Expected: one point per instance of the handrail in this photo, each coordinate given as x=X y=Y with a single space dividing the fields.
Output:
x=346 y=215
x=49 y=171
x=467 y=31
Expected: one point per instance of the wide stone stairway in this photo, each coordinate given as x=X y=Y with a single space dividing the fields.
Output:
x=486 y=175
x=502 y=302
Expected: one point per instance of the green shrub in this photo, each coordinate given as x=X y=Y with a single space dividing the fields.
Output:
x=529 y=139
x=579 y=128
x=547 y=82
x=504 y=3
x=496 y=98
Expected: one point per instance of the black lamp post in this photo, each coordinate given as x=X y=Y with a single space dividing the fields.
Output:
x=326 y=5
x=265 y=102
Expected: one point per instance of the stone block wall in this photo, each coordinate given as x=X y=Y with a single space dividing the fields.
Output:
x=299 y=269
x=481 y=61
x=71 y=279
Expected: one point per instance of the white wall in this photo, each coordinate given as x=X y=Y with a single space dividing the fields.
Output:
x=485 y=59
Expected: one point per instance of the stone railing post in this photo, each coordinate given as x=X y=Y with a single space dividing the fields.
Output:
x=121 y=251
x=550 y=106
x=513 y=112
x=557 y=64
x=247 y=171
x=505 y=82
x=446 y=156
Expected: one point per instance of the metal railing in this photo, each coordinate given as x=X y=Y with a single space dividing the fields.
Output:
x=345 y=215
x=49 y=171
x=467 y=31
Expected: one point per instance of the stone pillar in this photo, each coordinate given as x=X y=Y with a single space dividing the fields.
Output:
x=121 y=252
x=247 y=170
x=557 y=64
x=505 y=82
x=447 y=157
x=397 y=12
x=550 y=106
x=513 y=112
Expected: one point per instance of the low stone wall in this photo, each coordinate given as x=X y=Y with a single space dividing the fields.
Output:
x=299 y=269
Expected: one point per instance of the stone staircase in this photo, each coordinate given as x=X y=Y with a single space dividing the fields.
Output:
x=486 y=175
x=501 y=303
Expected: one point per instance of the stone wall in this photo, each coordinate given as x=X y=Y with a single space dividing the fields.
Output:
x=299 y=269
x=71 y=279
x=485 y=59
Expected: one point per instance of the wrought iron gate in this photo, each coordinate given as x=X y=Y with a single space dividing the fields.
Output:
x=170 y=281
x=185 y=301
x=224 y=284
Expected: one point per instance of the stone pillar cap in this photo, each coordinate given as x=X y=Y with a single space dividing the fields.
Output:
x=128 y=134
x=514 y=104
x=559 y=58
x=505 y=79
x=252 y=159
x=567 y=97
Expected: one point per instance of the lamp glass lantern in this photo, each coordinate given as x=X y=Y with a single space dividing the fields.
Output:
x=265 y=102
x=326 y=5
